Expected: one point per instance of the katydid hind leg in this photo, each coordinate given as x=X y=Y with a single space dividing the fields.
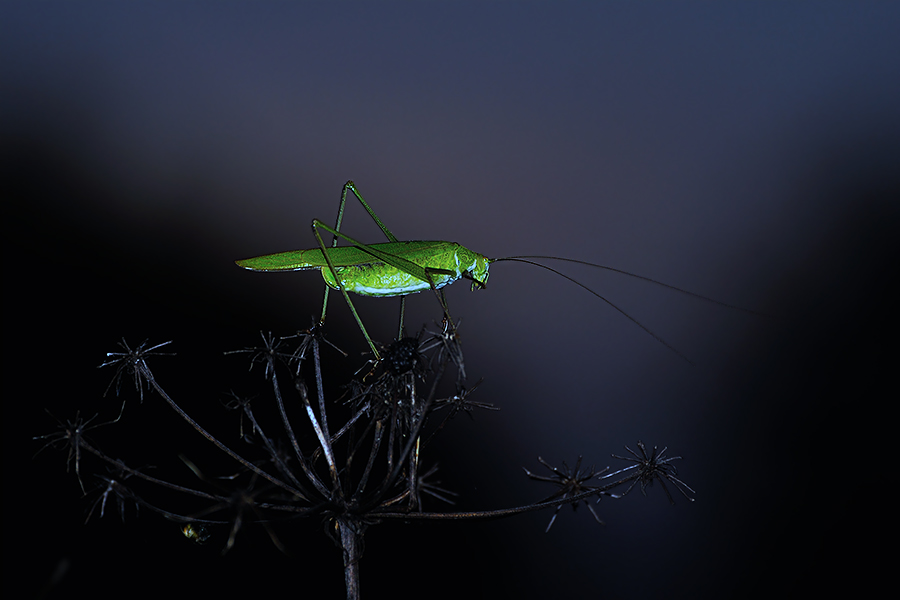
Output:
x=337 y=227
x=352 y=187
x=330 y=266
x=334 y=241
x=395 y=261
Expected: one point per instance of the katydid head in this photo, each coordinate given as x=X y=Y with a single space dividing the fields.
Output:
x=473 y=266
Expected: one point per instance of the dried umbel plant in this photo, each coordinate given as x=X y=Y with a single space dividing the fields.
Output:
x=353 y=461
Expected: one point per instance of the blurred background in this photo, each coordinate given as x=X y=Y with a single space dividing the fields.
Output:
x=748 y=152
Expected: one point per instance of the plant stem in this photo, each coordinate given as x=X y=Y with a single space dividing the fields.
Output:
x=351 y=532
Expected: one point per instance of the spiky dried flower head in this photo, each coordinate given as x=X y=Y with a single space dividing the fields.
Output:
x=71 y=434
x=570 y=483
x=655 y=466
x=133 y=362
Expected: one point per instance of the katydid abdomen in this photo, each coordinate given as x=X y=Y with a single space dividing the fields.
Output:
x=381 y=280
x=445 y=262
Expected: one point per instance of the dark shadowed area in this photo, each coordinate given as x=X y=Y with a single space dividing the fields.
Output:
x=747 y=152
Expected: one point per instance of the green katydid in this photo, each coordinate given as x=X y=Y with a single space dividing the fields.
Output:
x=396 y=268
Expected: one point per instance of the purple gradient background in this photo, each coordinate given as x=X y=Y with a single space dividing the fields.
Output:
x=749 y=152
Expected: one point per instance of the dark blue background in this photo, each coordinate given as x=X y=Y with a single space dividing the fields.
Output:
x=746 y=151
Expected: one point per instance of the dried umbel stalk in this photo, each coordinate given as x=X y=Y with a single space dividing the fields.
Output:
x=352 y=461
